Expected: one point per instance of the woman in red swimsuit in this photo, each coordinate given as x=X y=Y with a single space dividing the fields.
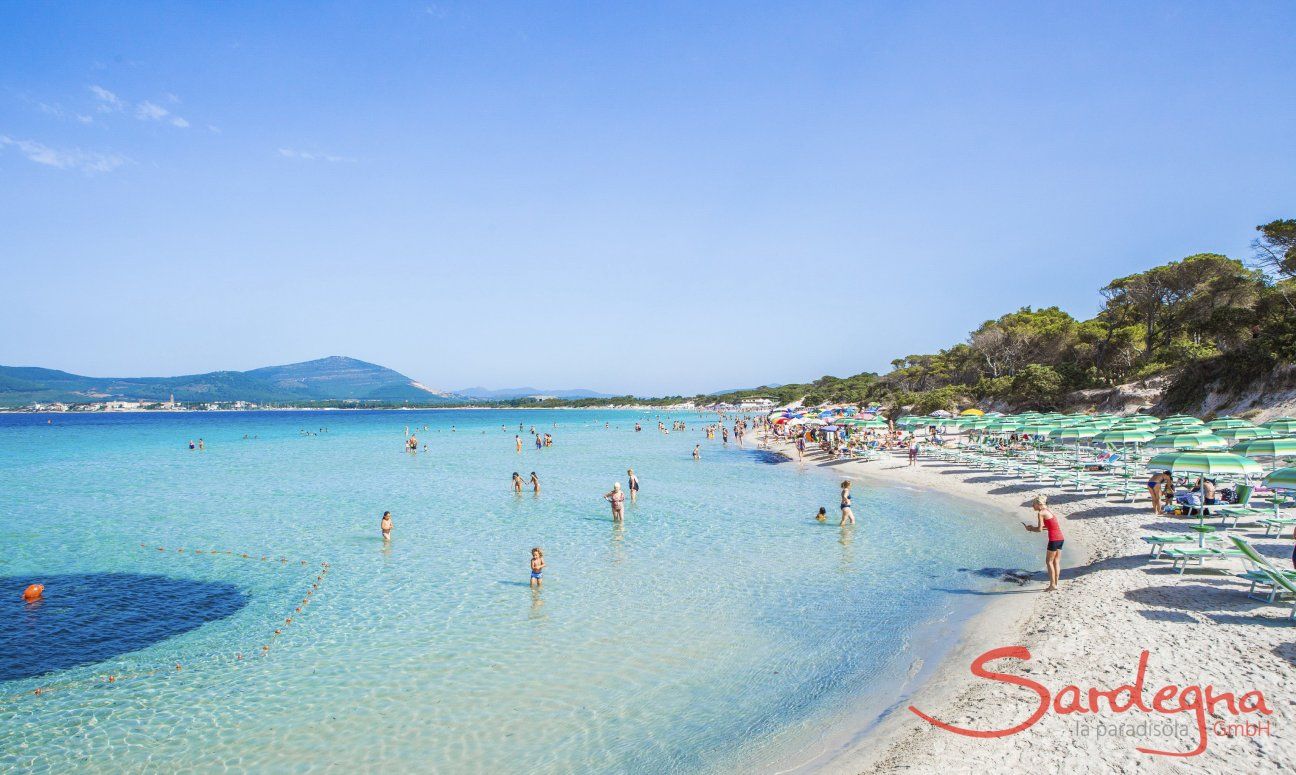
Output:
x=1047 y=521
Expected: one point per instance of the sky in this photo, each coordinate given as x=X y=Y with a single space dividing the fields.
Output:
x=658 y=198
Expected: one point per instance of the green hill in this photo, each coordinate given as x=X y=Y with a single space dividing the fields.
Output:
x=335 y=378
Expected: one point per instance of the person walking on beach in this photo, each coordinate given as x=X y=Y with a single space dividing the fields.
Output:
x=517 y=482
x=913 y=452
x=386 y=525
x=847 y=514
x=800 y=447
x=617 y=499
x=1046 y=520
x=632 y=484
x=535 y=483
x=537 y=566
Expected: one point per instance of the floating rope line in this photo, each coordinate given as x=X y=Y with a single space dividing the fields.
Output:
x=237 y=656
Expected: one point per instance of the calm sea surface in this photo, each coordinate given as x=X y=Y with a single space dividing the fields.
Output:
x=720 y=628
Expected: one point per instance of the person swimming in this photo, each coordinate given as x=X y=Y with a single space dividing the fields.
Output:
x=537 y=566
x=822 y=516
x=386 y=525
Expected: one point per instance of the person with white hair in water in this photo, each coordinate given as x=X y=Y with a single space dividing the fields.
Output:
x=617 y=499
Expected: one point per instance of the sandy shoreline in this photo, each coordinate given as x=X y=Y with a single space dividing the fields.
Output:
x=1199 y=628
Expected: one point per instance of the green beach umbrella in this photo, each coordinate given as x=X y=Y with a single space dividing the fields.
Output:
x=1281 y=425
x=1270 y=448
x=1124 y=436
x=1243 y=434
x=1285 y=447
x=1074 y=433
x=1282 y=479
x=1228 y=422
x=1187 y=441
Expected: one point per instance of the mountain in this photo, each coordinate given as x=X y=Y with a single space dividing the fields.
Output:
x=507 y=394
x=326 y=379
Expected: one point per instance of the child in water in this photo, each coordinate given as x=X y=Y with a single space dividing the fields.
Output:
x=537 y=566
x=386 y=525
x=822 y=516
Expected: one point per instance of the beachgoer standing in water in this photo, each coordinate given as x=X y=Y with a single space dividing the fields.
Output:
x=632 y=484
x=617 y=499
x=847 y=514
x=537 y=566
x=1046 y=520
x=386 y=525
x=517 y=482
x=535 y=483
x=697 y=451
x=518 y=440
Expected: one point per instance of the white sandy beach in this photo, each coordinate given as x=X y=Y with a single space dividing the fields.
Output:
x=1114 y=602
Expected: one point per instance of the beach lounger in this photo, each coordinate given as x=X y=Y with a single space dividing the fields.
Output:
x=1277 y=524
x=1229 y=515
x=1259 y=570
x=1183 y=557
x=1159 y=543
x=1287 y=585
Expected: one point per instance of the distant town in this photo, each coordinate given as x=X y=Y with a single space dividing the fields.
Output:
x=537 y=402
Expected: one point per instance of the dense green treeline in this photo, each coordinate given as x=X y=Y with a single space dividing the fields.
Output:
x=1204 y=317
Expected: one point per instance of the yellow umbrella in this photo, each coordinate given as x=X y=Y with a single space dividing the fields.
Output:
x=971 y=412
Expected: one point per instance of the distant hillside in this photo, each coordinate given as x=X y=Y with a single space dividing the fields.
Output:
x=326 y=379
x=508 y=394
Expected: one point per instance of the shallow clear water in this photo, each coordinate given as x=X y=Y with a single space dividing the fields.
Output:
x=719 y=625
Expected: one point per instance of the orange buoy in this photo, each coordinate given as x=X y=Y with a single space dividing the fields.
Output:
x=33 y=592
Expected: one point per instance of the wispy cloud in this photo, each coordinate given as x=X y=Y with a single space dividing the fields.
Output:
x=151 y=111
x=292 y=153
x=65 y=159
x=108 y=102
x=57 y=111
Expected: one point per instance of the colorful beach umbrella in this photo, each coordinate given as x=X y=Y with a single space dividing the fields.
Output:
x=1228 y=422
x=1187 y=441
x=1281 y=425
x=1275 y=448
x=1282 y=479
x=1235 y=435
x=1124 y=436
x=1206 y=463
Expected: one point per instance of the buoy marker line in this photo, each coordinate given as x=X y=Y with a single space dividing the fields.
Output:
x=237 y=656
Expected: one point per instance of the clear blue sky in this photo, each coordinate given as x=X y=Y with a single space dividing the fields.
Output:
x=653 y=198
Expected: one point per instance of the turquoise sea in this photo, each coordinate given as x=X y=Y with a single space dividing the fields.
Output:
x=719 y=630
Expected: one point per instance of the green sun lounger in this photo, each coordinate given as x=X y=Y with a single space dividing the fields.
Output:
x=1287 y=586
x=1260 y=571
x=1182 y=557
x=1159 y=543
x=1276 y=524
